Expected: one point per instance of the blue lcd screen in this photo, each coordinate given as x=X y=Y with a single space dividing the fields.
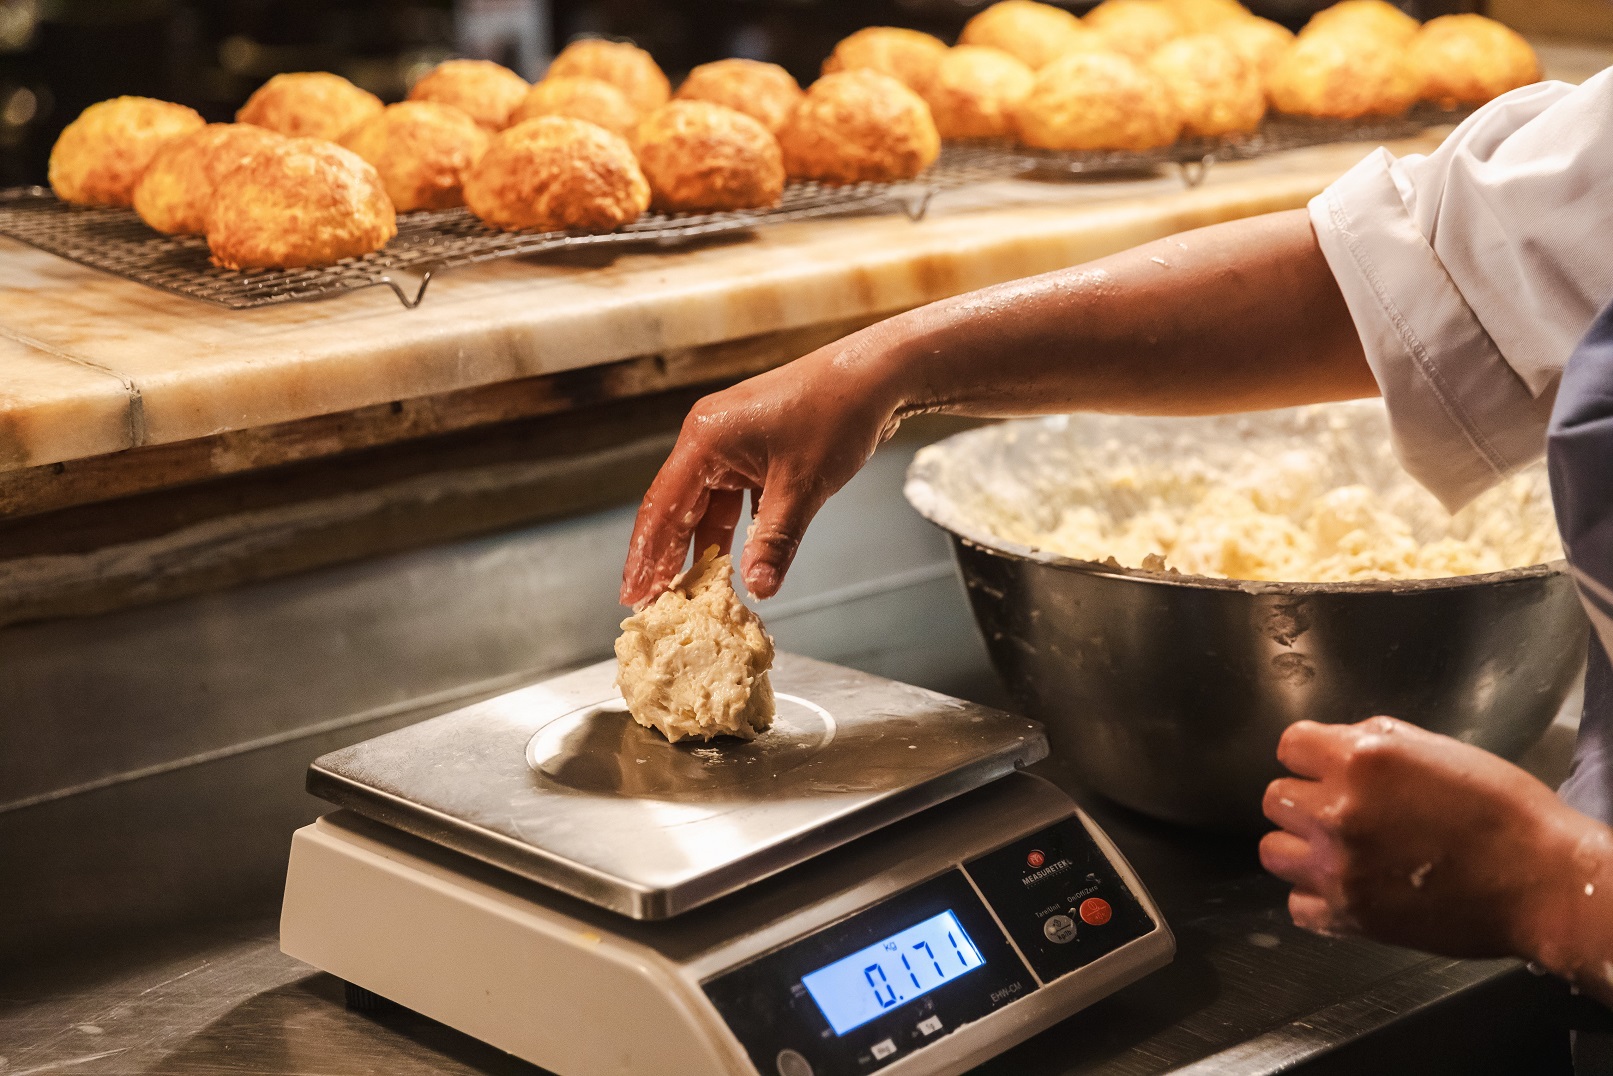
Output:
x=855 y=989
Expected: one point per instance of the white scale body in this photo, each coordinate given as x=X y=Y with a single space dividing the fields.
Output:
x=869 y=887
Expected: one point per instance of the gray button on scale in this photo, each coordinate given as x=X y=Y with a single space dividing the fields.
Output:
x=1059 y=929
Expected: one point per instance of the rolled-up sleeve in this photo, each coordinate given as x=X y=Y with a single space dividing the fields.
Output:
x=1472 y=272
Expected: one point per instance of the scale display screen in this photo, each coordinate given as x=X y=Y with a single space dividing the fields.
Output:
x=878 y=977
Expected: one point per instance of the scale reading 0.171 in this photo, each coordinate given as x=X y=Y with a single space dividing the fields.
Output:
x=857 y=988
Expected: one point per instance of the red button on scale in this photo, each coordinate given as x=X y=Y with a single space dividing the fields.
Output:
x=1035 y=859
x=1095 y=911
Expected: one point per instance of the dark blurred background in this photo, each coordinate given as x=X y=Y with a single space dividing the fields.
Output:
x=57 y=56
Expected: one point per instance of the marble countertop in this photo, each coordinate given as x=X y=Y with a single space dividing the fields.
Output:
x=92 y=365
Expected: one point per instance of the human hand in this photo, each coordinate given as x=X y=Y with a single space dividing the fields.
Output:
x=791 y=437
x=1417 y=839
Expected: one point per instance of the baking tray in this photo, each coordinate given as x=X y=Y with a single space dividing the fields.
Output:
x=557 y=783
x=117 y=241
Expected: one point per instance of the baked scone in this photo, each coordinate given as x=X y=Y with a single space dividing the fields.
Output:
x=1342 y=74
x=309 y=104
x=627 y=67
x=1200 y=16
x=693 y=663
x=1133 y=28
x=1035 y=33
x=701 y=157
x=764 y=92
x=1259 y=41
x=976 y=91
x=857 y=126
x=1098 y=100
x=1469 y=59
x=485 y=91
x=304 y=202
x=908 y=56
x=101 y=155
x=177 y=187
x=422 y=149
x=1376 y=18
x=1216 y=91
x=581 y=99
x=555 y=174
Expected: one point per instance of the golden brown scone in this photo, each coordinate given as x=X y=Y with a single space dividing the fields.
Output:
x=1133 y=28
x=1201 y=16
x=627 y=67
x=485 y=91
x=304 y=202
x=555 y=174
x=1098 y=100
x=173 y=194
x=1374 y=17
x=99 y=157
x=857 y=126
x=581 y=99
x=422 y=149
x=1469 y=59
x=1259 y=41
x=701 y=157
x=976 y=91
x=309 y=104
x=1035 y=33
x=908 y=56
x=764 y=92
x=1216 y=91
x=1342 y=74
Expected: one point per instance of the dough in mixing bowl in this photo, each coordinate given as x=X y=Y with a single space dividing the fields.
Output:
x=693 y=663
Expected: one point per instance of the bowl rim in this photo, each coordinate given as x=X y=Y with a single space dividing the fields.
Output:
x=939 y=509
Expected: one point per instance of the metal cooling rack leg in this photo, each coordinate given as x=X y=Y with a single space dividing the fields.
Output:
x=919 y=204
x=1193 y=172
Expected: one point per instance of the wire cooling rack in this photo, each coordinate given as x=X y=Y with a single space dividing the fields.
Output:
x=117 y=241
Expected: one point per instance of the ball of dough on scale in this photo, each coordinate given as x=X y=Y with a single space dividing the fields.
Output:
x=1216 y=91
x=627 y=67
x=422 y=150
x=908 y=56
x=1097 y=101
x=694 y=663
x=309 y=104
x=859 y=126
x=1133 y=28
x=579 y=98
x=99 y=157
x=1259 y=41
x=1342 y=74
x=1036 y=34
x=305 y=202
x=1469 y=59
x=485 y=91
x=1375 y=18
x=976 y=91
x=556 y=174
x=765 y=92
x=1201 y=16
x=701 y=157
x=177 y=187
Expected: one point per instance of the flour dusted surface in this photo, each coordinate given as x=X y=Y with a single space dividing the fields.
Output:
x=693 y=663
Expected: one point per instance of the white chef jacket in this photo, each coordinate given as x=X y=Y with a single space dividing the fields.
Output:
x=1473 y=271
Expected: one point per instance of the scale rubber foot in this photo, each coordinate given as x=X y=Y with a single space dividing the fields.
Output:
x=362 y=1000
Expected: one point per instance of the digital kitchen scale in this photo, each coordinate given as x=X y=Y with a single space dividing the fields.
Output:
x=870 y=886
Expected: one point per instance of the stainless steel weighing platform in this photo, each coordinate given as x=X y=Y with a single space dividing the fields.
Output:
x=868 y=886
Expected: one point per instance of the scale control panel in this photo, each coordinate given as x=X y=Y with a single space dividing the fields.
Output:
x=897 y=977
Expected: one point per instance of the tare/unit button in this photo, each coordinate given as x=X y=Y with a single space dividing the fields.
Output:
x=1060 y=929
x=883 y=1049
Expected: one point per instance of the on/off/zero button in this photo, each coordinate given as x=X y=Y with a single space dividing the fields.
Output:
x=1095 y=911
x=1059 y=929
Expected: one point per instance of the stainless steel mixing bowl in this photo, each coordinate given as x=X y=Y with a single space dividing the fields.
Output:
x=1169 y=693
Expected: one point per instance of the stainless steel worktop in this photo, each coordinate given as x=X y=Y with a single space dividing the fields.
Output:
x=1248 y=993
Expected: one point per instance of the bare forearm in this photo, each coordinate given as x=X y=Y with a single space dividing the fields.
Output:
x=1569 y=930
x=1233 y=317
